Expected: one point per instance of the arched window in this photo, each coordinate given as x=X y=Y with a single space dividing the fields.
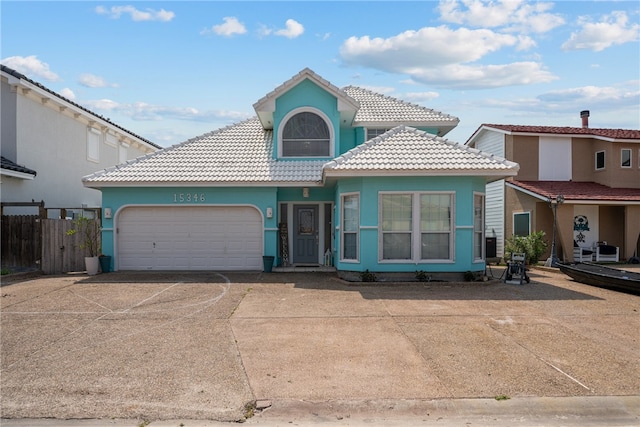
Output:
x=306 y=134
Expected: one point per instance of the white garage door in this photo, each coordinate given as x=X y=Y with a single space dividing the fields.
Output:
x=189 y=238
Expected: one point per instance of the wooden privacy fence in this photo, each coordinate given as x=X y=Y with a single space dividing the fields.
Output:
x=61 y=252
x=31 y=242
x=21 y=241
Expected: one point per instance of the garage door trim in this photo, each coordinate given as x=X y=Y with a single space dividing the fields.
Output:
x=116 y=220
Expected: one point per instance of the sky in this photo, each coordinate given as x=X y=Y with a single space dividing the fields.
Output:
x=171 y=71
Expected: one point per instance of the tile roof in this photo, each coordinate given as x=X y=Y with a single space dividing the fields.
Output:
x=377 y=108
x=266 y=105
x=572 y=190
x=406 y=149
x=21 y=76
x=237 y=154
x=305 y=73
x=9 y=165
x=632 y=134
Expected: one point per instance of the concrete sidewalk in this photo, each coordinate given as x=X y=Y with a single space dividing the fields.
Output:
x=607 y=411
x=175 y=348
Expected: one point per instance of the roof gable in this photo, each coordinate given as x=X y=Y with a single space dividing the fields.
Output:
x=266 y=106
x=377 y=109
x=408 y=151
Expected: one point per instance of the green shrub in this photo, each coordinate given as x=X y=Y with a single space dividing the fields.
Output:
x=469 y=276
x=533 y=246
x=368 y=276
x=421 y=276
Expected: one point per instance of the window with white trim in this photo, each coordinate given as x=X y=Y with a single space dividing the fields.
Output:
x=625 y=158
x=435 y=226
x=431 y=240
x=522 y=224
x=93 y=144
x=478 y=226
x=306 y=134
x=373 y=132
x=397 y=226
x=600 y=160
x=350 y=226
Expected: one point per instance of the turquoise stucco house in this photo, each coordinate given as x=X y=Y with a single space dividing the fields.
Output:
x=321 y=176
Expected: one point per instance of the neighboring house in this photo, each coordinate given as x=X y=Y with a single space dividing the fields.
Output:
x=595 y=171
x=322 y=176
x=49 y=143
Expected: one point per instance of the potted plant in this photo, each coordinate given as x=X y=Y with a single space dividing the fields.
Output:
x=88 y=231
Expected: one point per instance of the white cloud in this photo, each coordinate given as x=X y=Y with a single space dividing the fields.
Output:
x=90 y=80
x=264 y=31
x=292 y=29
x=612 y=29
x=622 y=97
x=116 y=12
x=379 y=89
x=420 y=96
x=102 y=104
x=426 y=48
x=68 y=93
x=610 y=96
x=442 y=56
x=143 y=111
x=230 y=27
x=509 y=15
x=484 y=76
x=31 y=66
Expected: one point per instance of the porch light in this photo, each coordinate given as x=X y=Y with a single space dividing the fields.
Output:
x=305 y=192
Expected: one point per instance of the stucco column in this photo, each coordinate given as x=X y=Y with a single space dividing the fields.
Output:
x=564 y=239
x=632 y=231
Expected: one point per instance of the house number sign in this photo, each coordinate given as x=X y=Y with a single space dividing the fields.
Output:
x=188 y=197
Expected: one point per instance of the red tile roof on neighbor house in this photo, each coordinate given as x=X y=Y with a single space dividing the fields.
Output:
x=584 y=191
x=561 y=130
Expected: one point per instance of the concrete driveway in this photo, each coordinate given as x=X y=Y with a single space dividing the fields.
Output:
x=169 y=346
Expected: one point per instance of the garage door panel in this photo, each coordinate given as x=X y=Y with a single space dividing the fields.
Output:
x=189 y=238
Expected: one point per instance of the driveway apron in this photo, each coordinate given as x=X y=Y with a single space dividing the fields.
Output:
x=167 y=346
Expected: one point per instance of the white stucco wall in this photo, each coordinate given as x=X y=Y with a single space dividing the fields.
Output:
x=54 y=144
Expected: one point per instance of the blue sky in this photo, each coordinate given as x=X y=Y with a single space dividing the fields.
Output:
x=170 y=71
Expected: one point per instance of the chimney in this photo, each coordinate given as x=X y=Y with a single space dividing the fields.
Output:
x=585 y=118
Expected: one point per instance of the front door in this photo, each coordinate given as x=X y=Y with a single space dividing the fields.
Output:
x=305 y=234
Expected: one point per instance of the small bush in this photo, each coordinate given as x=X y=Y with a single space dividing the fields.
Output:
x=421 y=276
x=367 y=276
x=533 y=246
x=469 y=276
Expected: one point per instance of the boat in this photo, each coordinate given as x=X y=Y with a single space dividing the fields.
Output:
x=603 y=277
